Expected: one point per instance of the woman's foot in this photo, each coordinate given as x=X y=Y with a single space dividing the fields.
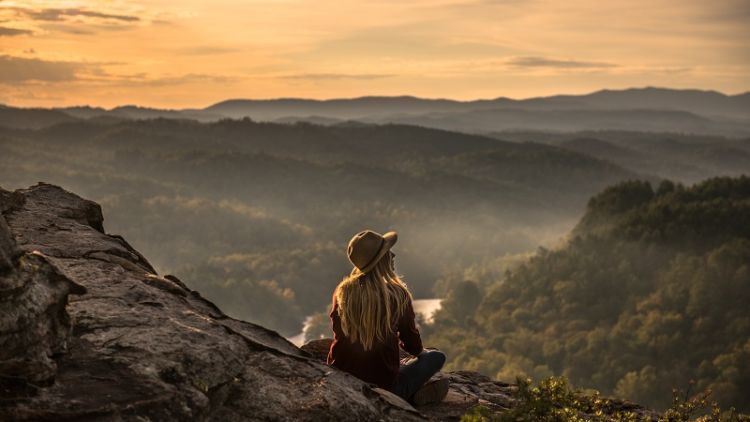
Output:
x=432 y=392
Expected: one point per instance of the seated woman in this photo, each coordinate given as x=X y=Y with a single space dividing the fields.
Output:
x=372 y=315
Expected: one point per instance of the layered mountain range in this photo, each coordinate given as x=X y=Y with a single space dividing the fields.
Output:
x=645 y=109
x=192 y=194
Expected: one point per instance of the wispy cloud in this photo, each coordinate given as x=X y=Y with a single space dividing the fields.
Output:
x=75 y=28
x=76 y=21
x=20 y=69
x=64 y=14
x=725 y=12
x=206 y=50
x=10 y=32
x=336 y=76
x=186 y=79
x=72 y=29
x=546 y=62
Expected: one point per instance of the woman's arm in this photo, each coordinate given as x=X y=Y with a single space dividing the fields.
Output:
x=336 y=327
x=408 y=333
x=335 y=319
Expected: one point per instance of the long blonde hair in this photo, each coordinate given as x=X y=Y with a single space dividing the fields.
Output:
x=370 y=304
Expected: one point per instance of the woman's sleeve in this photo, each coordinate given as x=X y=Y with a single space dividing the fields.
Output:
x=336 y=327
x=335 y=319
x=408 y=333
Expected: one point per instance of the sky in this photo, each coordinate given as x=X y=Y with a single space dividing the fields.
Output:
x=190 y=54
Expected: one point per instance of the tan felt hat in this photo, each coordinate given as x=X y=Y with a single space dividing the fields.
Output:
x=367 y=247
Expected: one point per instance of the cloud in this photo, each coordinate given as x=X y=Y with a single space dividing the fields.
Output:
x=206 y=50
x=10 y=32
x=336 y=76
x=63 y=14
x=20 y=69
x=728 y=11
x=77 y=21
x=143 y=79
x=545 y=62
x=68 y=29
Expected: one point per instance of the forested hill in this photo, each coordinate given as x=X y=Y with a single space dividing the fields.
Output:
x=699 y=218
x=257 y=215
x=650 y=292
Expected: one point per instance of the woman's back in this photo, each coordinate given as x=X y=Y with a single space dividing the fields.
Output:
x=378 y=365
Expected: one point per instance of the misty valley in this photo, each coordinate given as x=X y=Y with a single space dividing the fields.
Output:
x=616 y=256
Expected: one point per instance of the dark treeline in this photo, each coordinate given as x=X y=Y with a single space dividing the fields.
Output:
x=687 y=158
x=650 y=292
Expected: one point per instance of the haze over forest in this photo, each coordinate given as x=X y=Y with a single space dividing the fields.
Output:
x=254 y=212
x=600 y=234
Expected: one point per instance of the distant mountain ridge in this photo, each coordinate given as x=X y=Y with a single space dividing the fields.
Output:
x=646 y=109
x=696 y=101
x=573 y=120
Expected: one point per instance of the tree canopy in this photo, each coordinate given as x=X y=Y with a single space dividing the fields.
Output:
x=650 y=292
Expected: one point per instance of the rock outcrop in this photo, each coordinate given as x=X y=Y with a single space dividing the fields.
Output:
x=89 y=331
x=134 y=345
x=33 y=320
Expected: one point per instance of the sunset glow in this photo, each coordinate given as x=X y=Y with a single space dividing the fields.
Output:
x=191 y=53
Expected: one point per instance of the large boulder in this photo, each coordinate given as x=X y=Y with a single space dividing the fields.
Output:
x=34 y=325
x=133 y=345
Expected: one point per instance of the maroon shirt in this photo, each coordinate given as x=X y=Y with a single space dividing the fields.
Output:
x=380 y=364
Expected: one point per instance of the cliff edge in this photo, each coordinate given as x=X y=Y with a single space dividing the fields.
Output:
x=89 y=331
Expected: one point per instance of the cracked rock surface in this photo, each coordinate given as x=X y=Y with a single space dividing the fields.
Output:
x=89 y=331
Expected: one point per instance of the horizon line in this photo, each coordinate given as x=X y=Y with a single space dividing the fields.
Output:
x=372 y=96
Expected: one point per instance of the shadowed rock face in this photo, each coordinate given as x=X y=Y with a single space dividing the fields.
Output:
x=134 y=345
x=34 y=325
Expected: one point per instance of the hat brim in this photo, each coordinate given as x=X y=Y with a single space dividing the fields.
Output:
x=389 y=239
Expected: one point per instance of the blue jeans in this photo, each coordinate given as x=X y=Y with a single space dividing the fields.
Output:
x=417 y=372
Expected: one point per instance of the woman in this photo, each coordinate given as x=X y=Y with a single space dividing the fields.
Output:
x=372 y=315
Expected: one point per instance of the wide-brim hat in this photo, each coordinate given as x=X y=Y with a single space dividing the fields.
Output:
x=367 y=248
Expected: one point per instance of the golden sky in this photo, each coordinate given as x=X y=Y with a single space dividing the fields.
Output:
x=189 y=53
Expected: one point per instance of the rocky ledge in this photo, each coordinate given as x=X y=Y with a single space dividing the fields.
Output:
x=466 y=389
x=129 y=344
x=89 y=331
